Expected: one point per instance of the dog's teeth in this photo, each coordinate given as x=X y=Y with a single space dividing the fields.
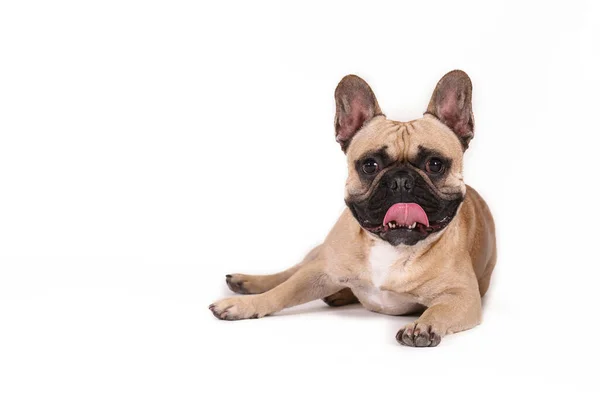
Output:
x=413 y=225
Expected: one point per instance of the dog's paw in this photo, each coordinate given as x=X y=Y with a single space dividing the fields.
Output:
x=244 y=284
x=418 y=335
x=234 y=308
x=341 y=298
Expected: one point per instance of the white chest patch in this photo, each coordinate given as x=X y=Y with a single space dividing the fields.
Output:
x=382 y=260
x=383 y=255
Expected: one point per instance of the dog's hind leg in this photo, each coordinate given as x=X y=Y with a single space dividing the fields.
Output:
x=256 y=284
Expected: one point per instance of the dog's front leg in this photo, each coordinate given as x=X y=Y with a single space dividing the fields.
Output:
x=309 y=283
x=454 y=310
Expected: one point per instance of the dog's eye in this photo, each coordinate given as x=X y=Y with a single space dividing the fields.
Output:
x=370 y=166
x=435 y=166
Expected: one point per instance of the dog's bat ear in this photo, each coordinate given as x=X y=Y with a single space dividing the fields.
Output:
x=355 y=104
x=451 y=104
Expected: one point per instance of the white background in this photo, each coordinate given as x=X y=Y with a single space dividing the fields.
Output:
x=149 y=148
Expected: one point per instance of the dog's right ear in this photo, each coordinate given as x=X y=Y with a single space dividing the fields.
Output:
x=355 y=104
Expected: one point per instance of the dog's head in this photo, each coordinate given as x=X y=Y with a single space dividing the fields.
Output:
x=404 y=178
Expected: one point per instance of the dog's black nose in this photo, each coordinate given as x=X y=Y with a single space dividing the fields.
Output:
x=402 y=181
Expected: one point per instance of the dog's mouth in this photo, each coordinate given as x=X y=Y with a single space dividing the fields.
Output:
x=408 y=217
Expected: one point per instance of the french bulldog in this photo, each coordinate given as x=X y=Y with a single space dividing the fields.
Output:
x=413 y=238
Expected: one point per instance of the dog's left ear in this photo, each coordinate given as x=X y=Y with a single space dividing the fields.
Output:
x=451 y=104
x=355 y=104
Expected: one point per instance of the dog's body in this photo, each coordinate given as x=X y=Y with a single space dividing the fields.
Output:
x=414 y=237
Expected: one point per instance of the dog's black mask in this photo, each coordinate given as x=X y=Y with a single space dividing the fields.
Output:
x=403 y=184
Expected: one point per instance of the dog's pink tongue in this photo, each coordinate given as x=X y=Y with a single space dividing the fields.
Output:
x=406 y=214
